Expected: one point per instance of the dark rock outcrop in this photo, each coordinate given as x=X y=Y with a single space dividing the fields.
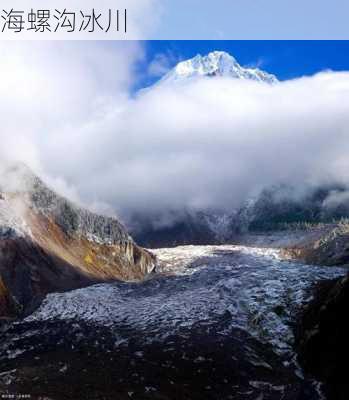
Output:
x=8 y=305
x=322 y=338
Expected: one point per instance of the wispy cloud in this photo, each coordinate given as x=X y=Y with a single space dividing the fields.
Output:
x=260 y=63
x=162 y=63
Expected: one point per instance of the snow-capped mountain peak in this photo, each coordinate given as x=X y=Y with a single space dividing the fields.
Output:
x=216 y=63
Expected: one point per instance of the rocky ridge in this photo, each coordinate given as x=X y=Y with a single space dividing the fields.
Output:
x=216 y=64
x=49 y=244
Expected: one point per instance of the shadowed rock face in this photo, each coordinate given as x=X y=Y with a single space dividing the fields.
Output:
x=48 y=244
x=322 y=329
x=7 y=306
x=323 y=338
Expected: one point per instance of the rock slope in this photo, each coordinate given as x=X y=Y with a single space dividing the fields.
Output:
x=48 y=244
x=321 y=331
x=327 y=245
x=323 y=338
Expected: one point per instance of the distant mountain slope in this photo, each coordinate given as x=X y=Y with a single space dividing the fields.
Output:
x=283 y=207
x=195 y=228
x=49 y=244
x=275 y=208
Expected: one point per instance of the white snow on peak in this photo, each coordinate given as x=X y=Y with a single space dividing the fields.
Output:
x=216 y=63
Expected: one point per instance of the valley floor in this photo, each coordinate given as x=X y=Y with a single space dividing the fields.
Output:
x=215 y=322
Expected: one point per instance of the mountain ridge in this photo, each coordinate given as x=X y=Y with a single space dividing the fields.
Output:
x=48 y=244
x=216 y=63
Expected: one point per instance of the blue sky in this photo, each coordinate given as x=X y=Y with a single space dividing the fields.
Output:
x=285 y=59
x=241 y=19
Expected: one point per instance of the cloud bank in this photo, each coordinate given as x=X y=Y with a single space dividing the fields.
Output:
x=210 y=143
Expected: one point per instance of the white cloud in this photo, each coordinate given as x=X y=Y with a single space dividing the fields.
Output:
x=49 y=90
x=209 y=143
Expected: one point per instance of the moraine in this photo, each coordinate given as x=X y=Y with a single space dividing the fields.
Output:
x=215 y=322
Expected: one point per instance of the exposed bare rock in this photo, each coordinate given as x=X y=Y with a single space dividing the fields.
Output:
x=322 y=332
x=7 y=303
x=326 y=246
x=323 y=338
x=49 y=244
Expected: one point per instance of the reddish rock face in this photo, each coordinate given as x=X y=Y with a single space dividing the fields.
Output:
x=48 y=244
x=7 y=306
